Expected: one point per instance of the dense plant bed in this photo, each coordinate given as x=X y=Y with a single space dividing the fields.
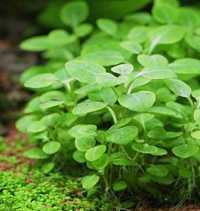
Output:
x=122 y=100
x=26 y=186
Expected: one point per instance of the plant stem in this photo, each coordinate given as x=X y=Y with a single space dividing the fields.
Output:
x=130 y=89
x=68 y=86
x=112 y=114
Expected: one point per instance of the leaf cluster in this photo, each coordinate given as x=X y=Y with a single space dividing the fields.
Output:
x=120 y=98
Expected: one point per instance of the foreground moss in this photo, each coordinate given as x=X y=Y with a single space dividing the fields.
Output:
x=34 y=191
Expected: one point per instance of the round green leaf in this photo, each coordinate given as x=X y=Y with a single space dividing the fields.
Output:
x=158 y=170
x=106 y=94
x=41 y=81
x=119 y=185
x=197 y=115
x=48 y=167
x=138 y=34
x=38 y=43
x=131 y=46
x=36 y=127
x=148 y=149
x=23 y=123
x=168 y=34
x=51 y=147
x=83 y=30
x=73 y=13
x=104 y=57
x=120 y=159
x=155 y=60
x=85 y=143
x=186 y=66
x=82 y=131
x=179 y=87
x=84 y=71
x=157 y=73
x=161 y=110
x=185 y=150
x=124 y=135
x=88 y=182
x=35 y=153
x=88 y=106
x=139 y=101
x=101 y=163
x=196 y=134
x=165 y=13
x=95 y=153
x=79 y=156
x=108 y=26
x=122 y=69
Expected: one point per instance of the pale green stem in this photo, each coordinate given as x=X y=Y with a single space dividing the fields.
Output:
x=190 y=101
x=112 y=114
x=130 y=89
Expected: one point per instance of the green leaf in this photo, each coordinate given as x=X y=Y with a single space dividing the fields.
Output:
x=178 y=87
x=84 y=71
x=193 y=41
x=51 y=120
x=41 y=81
x=155 y=60
x=83 y=30
x=107 y=95
x=51 y=147
x=142 y=18
x=95 y=153
x=45 y=101
x=186 y=66
x=74 y=13
x=164 y=95
x=124 y=135
x=138 y=34
x=108 y=26
x=119 y=185
x=131 y=46
x=88 y=182
x=36 y=127
x=23 y=123
x=48 y=167
x=157 y=73
x=122 y=69
x=88 y=106
x=140 y=81
x=143 y=118
x=37 y=43
x=161 y=110
x=148 y=149
x=60 y=38
x=101 y=163
x=196 y=134
x=168 y=34
x=104 y=57
x=185 y=150
x=85 y=143
x=197 y=115
x=79 y=156
x=165 y=13
x=158 y=170
x=35 y=153
x=107 y=80
x=120 y=159
x=188 y=17
x=83 y=131
x=138 y=101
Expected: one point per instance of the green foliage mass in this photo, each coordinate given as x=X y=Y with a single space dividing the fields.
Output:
x=120 y=98
x=36 y=191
